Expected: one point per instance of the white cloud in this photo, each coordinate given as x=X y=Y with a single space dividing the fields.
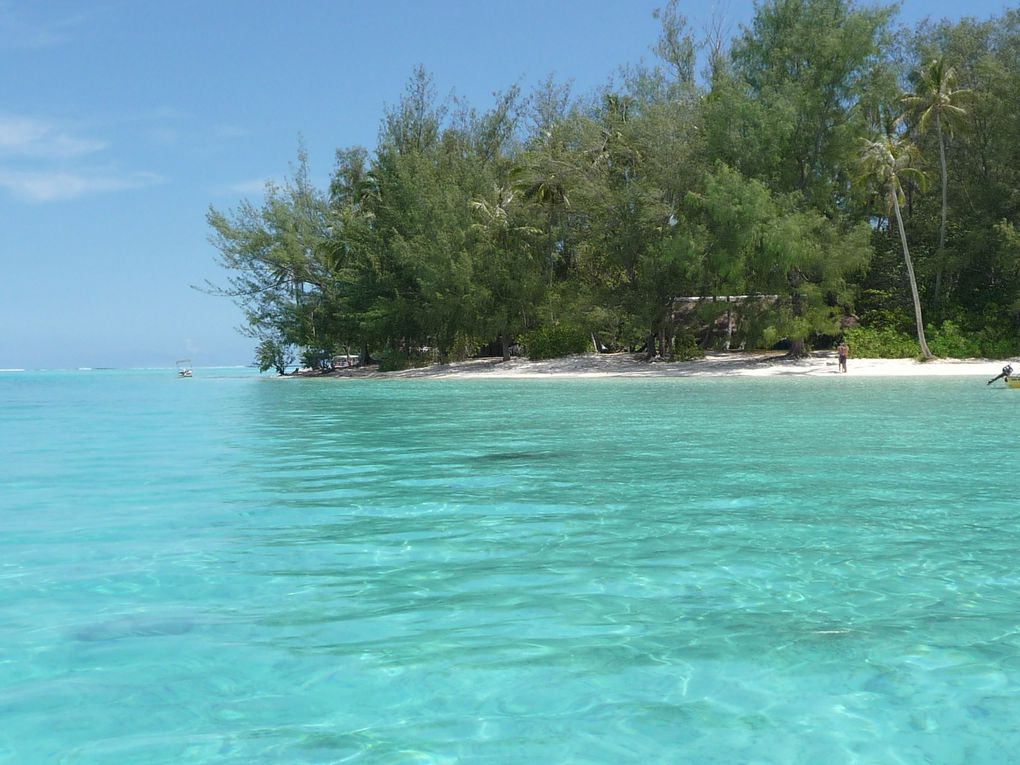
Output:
x=40 y=161
x=28 y=137
x=56 y=186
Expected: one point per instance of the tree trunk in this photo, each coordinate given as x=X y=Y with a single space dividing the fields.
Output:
x=913 y=282
x=940 y=253
x=504 y=345
x=798 y=349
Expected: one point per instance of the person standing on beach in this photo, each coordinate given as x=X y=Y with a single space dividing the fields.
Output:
x=843 y=350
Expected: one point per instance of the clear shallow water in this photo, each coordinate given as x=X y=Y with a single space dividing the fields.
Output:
x=230 y=569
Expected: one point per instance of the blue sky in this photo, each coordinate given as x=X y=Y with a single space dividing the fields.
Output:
x=122 y=121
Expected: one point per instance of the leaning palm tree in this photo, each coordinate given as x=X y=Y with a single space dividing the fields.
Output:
x=883 y=164
x=936 y=100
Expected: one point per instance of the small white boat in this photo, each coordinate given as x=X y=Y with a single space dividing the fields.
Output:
x=184 y=368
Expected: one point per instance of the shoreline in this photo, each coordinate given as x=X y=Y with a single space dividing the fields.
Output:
x=716 y=364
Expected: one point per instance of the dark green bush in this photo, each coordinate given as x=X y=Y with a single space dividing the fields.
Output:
x=554 y=341
x=948 y=341
x=317 y=358
x=886 y=343
x=393 y=361
x=686 y=348
x=995 y=343
x=274 y=354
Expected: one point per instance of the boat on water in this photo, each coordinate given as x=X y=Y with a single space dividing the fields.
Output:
x=1012 y=382
x=184 y=368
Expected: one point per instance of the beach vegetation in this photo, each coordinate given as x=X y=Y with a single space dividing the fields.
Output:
x=275 y=354
x=394 y=361
x=881 y=343
x=556 y=340
x=317 y=359
x=772 y=200
x=686 y=348
x=949 y=340
x=885 y=163
x=936 y=103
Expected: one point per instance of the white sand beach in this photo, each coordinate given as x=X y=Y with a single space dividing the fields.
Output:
x=728 y=364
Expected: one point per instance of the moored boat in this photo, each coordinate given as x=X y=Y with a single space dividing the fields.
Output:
x=184 y=368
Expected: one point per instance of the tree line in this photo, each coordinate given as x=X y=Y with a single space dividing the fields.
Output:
x=827 y=174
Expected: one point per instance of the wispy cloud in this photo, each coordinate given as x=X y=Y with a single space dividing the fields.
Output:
x=44 y=161
x=20 y=31
x=29 y=137
x=45 y=186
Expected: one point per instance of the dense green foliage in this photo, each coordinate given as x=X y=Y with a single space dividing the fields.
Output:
x=781 y=198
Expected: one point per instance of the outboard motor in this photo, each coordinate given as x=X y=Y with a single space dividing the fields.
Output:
x=1004 y=374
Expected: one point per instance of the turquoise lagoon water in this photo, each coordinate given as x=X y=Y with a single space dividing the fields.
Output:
x=232 y=569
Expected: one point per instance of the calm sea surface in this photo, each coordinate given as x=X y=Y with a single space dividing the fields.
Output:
x=234 y=569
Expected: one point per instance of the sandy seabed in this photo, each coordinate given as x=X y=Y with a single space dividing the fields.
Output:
x=723 y=364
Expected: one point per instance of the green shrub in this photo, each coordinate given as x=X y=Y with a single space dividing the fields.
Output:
x=885 y=318
x=463 y=347
x=997 y=337
x=393 y=361
x=274 y=354
x=994 y=343
x=551 y=342
x=316 y=358
x=948 y=341
x=686 y=348
x=886 y=343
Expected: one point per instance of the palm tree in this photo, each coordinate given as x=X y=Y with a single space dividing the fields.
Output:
x=936 y=100
x=883 y=163
x=541 y=184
